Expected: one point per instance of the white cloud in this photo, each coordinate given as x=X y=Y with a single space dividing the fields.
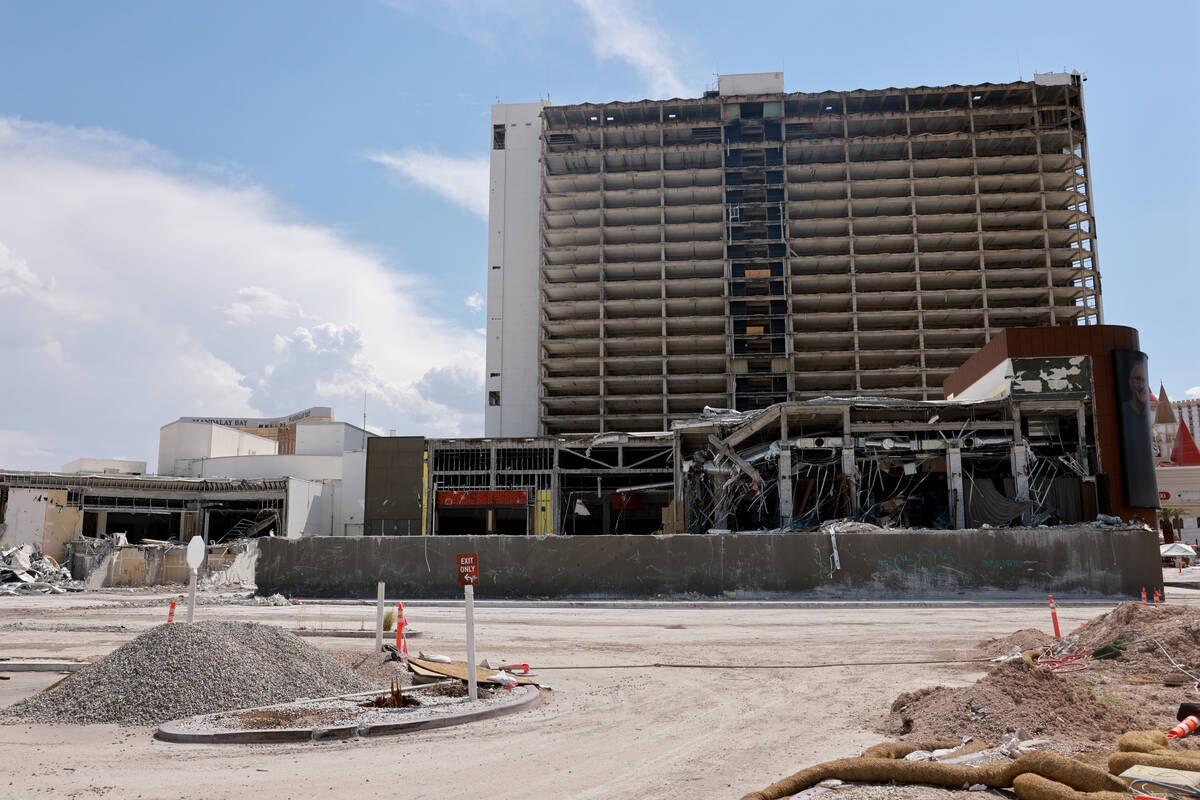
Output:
x=1194 y=392
x=494 y=27
x=15 y=276
x=619 y=33
x=255 y=302
x=462 y=181
x=475 y=302
x=22 y=447
x=133 y=292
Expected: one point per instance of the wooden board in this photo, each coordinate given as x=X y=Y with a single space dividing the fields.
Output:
x=458 y=669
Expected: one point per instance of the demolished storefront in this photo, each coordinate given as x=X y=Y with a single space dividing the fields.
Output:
x=48 y=510
x=791 y=466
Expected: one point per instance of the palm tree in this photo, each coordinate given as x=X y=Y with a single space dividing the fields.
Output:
x=1168 y=517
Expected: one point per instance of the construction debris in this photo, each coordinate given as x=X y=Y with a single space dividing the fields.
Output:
x=174 y=671
x=24 y=570
x=458 y=669
x=1122 y=670
x=888 y=463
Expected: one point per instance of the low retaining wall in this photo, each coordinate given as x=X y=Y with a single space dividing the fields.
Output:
x=1079 y=562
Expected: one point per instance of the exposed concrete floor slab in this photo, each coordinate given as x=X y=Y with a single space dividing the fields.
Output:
x=604 y=732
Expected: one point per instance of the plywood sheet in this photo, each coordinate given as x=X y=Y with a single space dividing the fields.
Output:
x=458 y=669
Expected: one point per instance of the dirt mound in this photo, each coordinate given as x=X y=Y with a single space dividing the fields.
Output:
x=1025 y=639
x=1082 y=709
x=1177 y=628
x=378 y=668
x=1012 y=697
x=179 y=670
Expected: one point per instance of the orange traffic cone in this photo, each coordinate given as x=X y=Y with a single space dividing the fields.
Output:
x=171 y=613
x=401 y=624
x=1181 y=730
x=1144 y=596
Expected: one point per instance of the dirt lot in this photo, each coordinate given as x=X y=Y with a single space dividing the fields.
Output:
x=607 y=730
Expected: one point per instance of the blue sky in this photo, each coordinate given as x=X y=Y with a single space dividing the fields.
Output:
x=226 y=207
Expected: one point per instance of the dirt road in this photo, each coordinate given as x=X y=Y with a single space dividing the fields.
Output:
x=607 y=730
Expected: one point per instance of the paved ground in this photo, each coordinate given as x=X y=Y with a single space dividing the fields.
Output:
x=607 y=731
x=1187 y=575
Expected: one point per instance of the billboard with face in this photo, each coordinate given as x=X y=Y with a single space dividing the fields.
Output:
x=1136 y=422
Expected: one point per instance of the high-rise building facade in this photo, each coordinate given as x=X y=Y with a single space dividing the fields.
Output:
x=751 y=246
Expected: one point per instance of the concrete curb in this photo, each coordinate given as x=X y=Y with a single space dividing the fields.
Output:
x=42 y=666
x=388 y=637
x=524 y=697
x=748 y=604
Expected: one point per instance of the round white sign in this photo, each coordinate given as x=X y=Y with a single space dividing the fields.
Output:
x=195 y=553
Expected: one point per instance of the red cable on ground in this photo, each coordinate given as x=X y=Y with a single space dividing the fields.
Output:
x=1076 y=662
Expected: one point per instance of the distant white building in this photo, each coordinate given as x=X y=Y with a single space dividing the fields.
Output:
x=330 y=456
x=105 y=466
x=180 y=443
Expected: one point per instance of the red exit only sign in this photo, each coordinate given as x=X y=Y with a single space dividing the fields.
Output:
x=468 y=569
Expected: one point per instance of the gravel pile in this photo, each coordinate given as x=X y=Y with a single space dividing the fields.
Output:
x=179 y=670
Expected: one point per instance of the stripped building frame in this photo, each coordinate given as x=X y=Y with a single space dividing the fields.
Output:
x=790 y=466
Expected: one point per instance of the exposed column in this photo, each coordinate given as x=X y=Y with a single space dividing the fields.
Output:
x=1019 y=459
x=1037 y=137
x=1093 y=250
x=987 y=322
x=849 y=469
x=853 y=271
x=955 y=485
x=912 y=209
x=786 y=498
x=603 y=349
x=662 y=271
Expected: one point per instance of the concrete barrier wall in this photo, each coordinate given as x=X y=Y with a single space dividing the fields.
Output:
x=1078 y=562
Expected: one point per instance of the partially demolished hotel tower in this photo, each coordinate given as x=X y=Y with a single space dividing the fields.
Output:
x=754 y=246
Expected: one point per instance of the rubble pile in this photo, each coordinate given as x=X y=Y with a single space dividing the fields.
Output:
x=24 y=570
x=179 y=670
x=1013 y=697
x=1056 y=687
x=1144 y=628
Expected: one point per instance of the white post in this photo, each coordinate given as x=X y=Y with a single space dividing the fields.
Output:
x=192 y=596
x=379 y=618
x=469 y=597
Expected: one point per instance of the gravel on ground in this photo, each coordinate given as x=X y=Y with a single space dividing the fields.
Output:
x=177 y=670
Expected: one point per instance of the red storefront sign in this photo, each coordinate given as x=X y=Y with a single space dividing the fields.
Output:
x=483 y=497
